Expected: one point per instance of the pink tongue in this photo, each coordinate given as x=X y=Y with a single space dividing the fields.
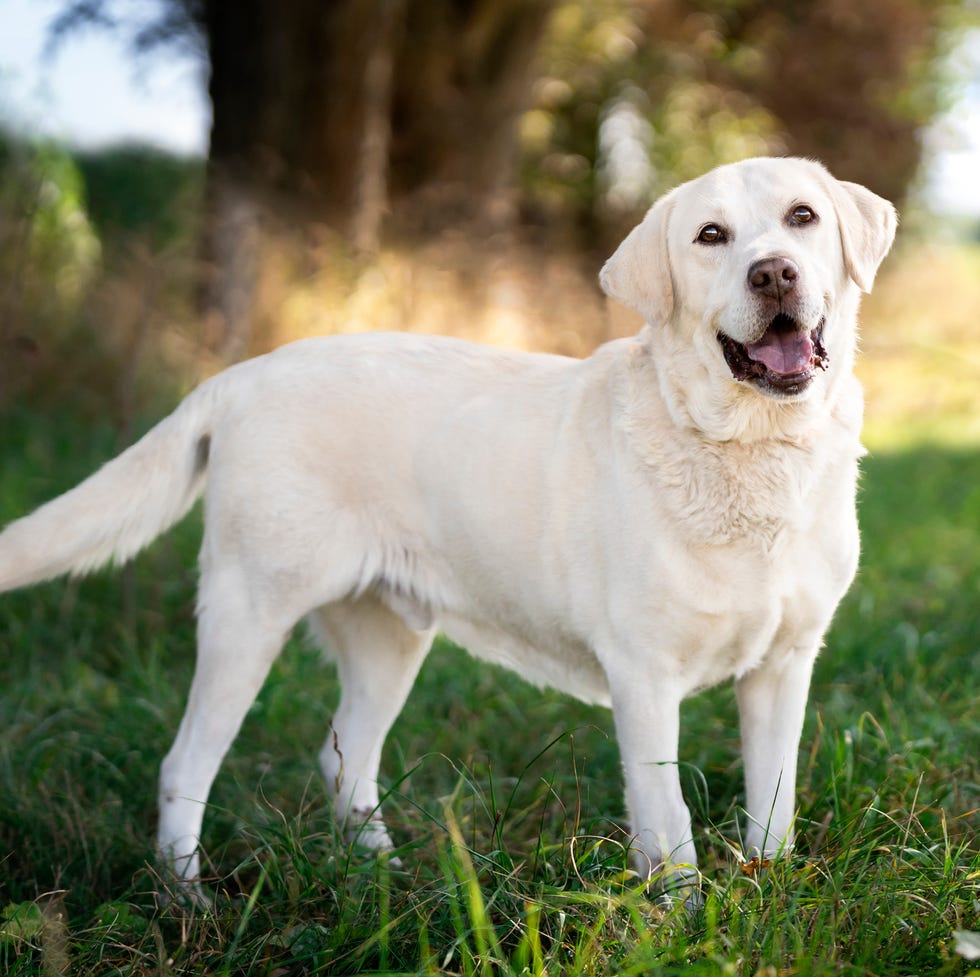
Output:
x=785 y=353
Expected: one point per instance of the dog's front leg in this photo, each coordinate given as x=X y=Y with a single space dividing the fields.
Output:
x=772 y=704
x=647 y=716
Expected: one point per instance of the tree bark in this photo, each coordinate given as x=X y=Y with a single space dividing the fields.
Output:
x=371 y=188
x=342 y=112
x=464 y=77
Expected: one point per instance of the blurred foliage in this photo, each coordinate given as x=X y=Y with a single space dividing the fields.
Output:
x=634 y=96
x=149 y=25
x=49 y=251
x=626 y=98
x=93 y=259
x=133 y=189
x=44 y=222
x=100 y=269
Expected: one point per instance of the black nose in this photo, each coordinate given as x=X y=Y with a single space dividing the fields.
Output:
x=773 y=277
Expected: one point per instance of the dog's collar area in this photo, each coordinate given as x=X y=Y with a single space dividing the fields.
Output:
x=783 y=361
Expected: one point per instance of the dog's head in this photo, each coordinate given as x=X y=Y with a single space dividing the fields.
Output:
x=757 y=266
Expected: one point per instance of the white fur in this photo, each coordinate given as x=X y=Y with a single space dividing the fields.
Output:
x=629 y=528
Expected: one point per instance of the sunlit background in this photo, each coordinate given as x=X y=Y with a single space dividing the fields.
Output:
x=92 y=92
x=621 y=101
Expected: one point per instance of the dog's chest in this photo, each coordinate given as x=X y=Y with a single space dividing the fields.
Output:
x=719 y=493
x=730 y=625
x=739 y=553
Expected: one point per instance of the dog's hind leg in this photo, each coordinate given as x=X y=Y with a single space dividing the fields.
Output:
x=378 y=657
x=239 y=637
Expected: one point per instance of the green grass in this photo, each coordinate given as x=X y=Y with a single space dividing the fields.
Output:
x=506 y=801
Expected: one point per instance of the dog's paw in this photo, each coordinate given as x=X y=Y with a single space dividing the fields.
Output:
x=371 y=836
x=678 y=887
x=690 y=900
x=184 y=895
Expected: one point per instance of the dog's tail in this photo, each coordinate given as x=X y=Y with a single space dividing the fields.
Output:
x=117 y=511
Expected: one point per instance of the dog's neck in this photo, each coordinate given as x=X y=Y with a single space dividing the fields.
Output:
x=708 y=457
x=717 y=408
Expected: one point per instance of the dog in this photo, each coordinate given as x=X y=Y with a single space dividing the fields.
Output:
x=675 y=510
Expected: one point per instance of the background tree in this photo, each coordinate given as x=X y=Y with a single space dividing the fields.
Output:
x=398 y=119
x=336 y=112
x=340 y=112
x=687 y=84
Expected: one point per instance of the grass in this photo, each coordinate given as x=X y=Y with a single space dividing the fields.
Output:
x=506 y=801
x=513 y=848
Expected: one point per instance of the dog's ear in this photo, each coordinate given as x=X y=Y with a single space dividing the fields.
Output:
x=867 y=228
x=638 y=273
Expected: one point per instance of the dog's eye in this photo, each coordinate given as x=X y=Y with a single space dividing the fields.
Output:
x=802 y=214
x=711 y=234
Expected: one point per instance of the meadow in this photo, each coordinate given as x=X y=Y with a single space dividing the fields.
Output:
x=506 y=801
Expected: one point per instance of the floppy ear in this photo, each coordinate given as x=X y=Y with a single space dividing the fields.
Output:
x=638 y=273
x=867 y=228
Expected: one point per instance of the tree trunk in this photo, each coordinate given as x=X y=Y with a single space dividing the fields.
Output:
x=464 y=76
x=341 y=112
x=371 y=187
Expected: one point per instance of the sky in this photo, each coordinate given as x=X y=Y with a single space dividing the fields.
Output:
x=92 y=93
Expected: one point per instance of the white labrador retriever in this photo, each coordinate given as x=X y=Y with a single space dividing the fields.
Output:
x=675 y=510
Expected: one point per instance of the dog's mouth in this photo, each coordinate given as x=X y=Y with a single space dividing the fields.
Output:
x=783 y=361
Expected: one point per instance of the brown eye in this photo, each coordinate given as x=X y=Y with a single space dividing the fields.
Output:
x=802 y=215
x=711 y=234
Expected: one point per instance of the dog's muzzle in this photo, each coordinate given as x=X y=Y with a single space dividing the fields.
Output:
x=783 y=361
